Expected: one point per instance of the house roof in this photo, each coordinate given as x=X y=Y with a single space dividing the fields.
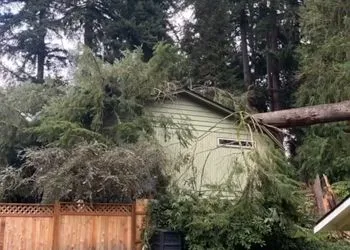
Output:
x=204 y=100
x=338 y=219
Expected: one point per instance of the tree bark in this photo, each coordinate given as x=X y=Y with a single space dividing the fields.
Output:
x=250 y=32
x=244 y=48
x=88 y=33
x=272 y=63
x=269 y=77
x=306 y=116
x=329 y=198
x=317 y=190
x=252 y=39
x=88 y=25
x=41 y=63
x=41 y=52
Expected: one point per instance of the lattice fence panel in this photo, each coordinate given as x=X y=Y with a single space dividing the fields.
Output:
x=95 y=209
x=26 y=210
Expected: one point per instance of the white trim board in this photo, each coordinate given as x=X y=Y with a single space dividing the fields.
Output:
x=327 y=223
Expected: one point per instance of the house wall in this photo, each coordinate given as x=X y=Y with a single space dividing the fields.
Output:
x=207 y=163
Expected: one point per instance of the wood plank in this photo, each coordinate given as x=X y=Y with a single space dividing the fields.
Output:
x=110 y=233
x=56 y=226
x=98 y=232
x=2 y=232
x=128 y=232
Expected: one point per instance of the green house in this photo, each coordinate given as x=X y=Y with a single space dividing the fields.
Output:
x=217 y=148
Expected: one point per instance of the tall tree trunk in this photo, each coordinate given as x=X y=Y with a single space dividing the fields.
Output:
x=271 y=59
x=251 y=38
x=275 y=65
x=88 y=26
x=269 y=74
x=306 y=116
x=244 y=48
x=88 y=34
x=41 y=61
x=41 y=53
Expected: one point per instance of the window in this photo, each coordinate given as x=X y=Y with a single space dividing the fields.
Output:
x=233 y=143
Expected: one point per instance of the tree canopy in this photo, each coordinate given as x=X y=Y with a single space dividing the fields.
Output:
x=100 y=115
x=325 y=76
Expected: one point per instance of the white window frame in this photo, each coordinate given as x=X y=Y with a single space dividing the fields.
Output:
x=240 y=141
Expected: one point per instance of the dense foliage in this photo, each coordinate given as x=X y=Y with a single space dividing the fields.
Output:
x=33 y=32
x=89 y=140
x=24 y=38
x=208 y=43
x=325 y=75
x=245 y=43
x=90 y=172
x=112 y=26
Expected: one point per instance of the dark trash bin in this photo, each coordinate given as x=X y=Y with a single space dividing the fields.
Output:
x=166 y=240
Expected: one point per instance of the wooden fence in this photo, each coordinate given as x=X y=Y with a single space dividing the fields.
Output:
x=62 y=226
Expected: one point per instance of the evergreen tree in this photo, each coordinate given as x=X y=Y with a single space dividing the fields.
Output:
x=112 y=26
x=325 y=73
x=241 y=45
x=27 y=36
x=143 y=23
x=273 y=36
x=88 y=17
x=209 y=41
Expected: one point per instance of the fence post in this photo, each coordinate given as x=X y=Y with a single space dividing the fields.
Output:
x=140 y=221
x=56 y=225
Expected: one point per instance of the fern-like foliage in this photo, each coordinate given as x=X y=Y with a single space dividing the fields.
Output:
x=89 y=139
x=91 y=172
x=325 y=72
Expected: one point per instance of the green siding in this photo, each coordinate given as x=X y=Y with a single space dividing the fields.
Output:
x=211 y=164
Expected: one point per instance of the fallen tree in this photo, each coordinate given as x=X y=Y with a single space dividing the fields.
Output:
x=306 y=116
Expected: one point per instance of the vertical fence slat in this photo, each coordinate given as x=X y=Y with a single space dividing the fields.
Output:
x=133 y=227
x=56 y=226
x=2 y=232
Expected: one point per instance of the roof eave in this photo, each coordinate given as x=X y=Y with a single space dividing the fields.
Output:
x=205 y=100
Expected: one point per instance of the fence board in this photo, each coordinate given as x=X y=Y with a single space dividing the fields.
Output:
x=27 y=233
x=66 y=226
x=95 y=232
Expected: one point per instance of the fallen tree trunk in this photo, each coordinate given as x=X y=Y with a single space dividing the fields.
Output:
x=306 y=115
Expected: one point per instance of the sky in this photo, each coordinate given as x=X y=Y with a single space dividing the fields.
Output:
x=72 y=45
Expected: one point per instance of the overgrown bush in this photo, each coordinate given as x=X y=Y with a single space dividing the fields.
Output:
x=91 y=172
